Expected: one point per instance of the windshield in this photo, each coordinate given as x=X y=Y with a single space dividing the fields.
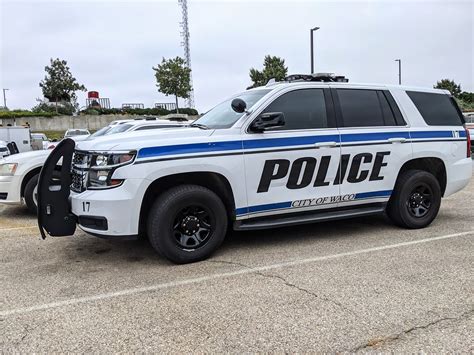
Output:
x=119 y=128
x=76 y=133
x=222 y=116
x=101 y=132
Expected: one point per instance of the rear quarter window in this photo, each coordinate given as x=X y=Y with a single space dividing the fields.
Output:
x=436 y=109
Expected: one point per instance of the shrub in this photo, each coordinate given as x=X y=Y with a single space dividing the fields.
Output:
x=64 y=108
x=25 y=113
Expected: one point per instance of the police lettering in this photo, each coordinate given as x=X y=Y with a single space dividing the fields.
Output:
x=301 y=173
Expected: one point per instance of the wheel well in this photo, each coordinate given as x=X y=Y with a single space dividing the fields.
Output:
x=213 y=181
x=434 y=166
x=27 y=178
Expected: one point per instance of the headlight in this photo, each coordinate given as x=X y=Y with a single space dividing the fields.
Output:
x=111 y=160
x=104 y=165
x=8 y=169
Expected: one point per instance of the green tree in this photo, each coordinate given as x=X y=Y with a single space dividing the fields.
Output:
x=446 y=84
x=59 y=85
x=173 y=77
x=273 y=68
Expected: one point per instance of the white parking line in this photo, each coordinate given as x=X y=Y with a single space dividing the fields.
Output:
x=16 y=228
x=137 y=290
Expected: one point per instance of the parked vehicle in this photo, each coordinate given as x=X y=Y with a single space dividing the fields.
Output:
x=77 y=134
x=18 y=135
x=304 y=150
x=4 y=151
x=18 y=182
x=41 y=140
x=469 y=116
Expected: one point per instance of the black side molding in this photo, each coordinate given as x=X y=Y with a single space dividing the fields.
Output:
x=291 y=219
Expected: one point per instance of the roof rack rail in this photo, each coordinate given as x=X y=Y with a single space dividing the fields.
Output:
x=324 y=77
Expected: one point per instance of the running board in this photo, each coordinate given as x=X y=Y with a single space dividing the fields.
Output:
x=316 y=216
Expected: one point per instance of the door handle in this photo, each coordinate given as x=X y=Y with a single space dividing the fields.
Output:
x=325 y=144
x=397 y=140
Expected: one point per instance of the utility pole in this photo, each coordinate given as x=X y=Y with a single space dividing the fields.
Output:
x=399 y=71
x=187 y=49
x=4 y=98
x=311 y=46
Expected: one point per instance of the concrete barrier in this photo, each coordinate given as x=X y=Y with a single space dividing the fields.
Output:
x=62 y=123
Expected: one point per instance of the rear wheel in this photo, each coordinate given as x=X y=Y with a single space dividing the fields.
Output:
x=187 y=223
x=416 y=200
x=31 y=194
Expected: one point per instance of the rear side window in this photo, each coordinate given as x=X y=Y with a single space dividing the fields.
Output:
x=368 y=108
x=436 y=109
x=303 y=109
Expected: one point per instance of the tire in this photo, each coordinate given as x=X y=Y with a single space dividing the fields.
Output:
x=416 y=200
x=187 y=223
x=31 y=189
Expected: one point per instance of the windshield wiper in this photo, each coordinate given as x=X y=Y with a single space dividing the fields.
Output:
x=199 y=125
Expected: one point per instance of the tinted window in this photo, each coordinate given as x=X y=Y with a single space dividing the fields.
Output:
x=436 y=109
x=361 y=108
x=303 y=109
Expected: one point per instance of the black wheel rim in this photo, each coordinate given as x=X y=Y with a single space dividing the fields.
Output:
x=192 y=227
x=420 y=200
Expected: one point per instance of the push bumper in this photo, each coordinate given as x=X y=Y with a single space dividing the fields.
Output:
x=10 y=190
x=111 y=212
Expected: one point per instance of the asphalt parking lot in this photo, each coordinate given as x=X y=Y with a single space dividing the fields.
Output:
x=358 y=285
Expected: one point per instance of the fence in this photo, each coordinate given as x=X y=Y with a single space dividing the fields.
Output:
x=62 y=123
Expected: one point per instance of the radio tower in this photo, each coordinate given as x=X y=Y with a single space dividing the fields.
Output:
x=185 y=44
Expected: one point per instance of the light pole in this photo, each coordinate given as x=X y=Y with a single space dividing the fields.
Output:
x=399 y=71
x=311 y=46
x=4 y=98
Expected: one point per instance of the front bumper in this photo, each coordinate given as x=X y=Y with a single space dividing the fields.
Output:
x=10 y=187
x=119 y=207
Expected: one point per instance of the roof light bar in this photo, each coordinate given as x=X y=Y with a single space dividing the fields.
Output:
x=324 y=77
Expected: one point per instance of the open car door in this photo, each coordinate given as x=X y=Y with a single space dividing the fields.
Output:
x=54 y=212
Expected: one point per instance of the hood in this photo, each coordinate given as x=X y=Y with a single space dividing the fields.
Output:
x=147 y=138
x=26 y=156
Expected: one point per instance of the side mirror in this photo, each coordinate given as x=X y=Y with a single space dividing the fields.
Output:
x=268 y=120
x=238 y=105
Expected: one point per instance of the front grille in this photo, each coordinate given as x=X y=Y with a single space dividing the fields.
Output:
x=79 y=171
x=3 y=195
x=3 y=149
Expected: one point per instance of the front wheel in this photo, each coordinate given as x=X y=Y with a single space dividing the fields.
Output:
x=31 y=194
x=416 y=200
x=187 y=223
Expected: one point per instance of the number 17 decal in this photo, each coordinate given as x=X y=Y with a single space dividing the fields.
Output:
x=86 y=206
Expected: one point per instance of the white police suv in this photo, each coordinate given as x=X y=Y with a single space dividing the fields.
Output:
x=308 y=149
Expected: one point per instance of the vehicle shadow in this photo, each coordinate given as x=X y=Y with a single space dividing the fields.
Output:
x=87 y=248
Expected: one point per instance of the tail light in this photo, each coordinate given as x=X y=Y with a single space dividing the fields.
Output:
x=468 y=137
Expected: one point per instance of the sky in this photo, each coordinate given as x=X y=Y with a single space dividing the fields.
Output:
x=111 y=46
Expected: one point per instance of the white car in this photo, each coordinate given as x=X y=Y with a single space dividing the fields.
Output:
x=41 y=137
x=77 y=134
x=303 y=150
x=19 y=172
